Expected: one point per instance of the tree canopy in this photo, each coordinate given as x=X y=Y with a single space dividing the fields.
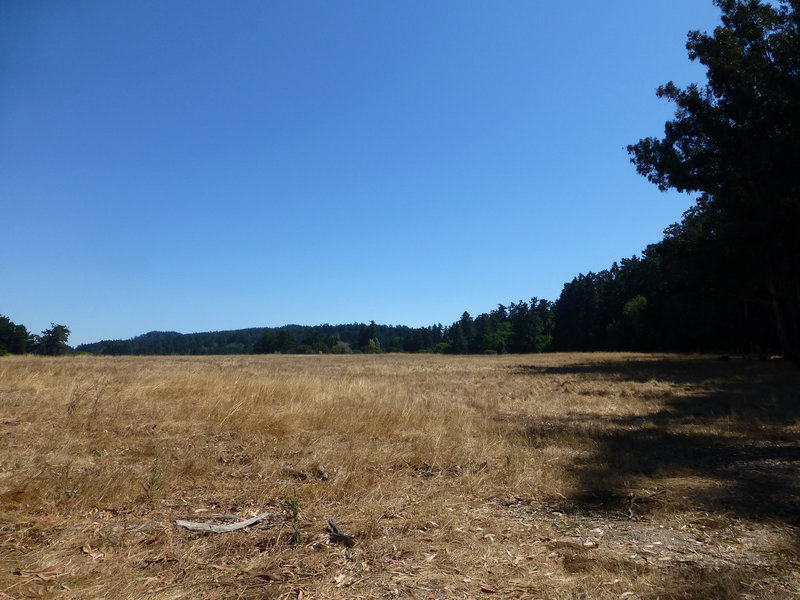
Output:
x=53 y=341
x=14 y=338
x=736 y=142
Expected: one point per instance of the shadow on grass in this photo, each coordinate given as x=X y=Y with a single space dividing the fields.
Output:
x=729 y=428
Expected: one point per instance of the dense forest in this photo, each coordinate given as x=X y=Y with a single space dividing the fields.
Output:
x=680 y=295
x=289 y=339
x=725 y=278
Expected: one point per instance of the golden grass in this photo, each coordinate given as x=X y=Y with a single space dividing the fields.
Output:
x=550 y=476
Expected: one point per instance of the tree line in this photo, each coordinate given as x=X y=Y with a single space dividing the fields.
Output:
x=682 y=294
x=289 y=339
x=16 y=339
x=724 y=278
x=735 y=141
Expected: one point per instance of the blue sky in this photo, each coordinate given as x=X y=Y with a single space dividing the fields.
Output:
x=198 y=166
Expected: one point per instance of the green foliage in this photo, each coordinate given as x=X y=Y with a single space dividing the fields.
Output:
x=736 y=142
x=634 y=308
x=634 y=314
x=152 y=486
x=14 y=339
x=373 y=347
x=496 y=339
x=368 y=338
x=241 y=341
x=292 y=506
x=523 y=327
x=442 y=348
x=368 y=341
x=268 y=344
x=53 y=341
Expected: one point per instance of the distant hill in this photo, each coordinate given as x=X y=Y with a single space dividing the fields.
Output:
x=301 y=339
x=240 y=341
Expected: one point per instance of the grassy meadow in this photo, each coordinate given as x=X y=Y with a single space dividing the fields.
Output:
x=542 y=476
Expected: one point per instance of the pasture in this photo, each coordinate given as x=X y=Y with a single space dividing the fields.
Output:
x=544 y=476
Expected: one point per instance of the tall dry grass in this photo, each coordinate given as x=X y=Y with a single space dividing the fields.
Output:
x=458 y=476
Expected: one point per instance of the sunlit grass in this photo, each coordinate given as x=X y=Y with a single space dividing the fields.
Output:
x=455 y=474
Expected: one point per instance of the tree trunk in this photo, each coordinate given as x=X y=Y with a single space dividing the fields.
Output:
x=783 y=284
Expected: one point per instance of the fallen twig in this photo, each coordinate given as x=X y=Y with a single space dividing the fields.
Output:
x=205 y=527
x=154 y=539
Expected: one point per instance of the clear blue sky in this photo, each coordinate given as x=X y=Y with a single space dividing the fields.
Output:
x=198 y=166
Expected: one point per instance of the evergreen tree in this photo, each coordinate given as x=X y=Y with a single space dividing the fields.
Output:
x=14 y=339
x=736 y=142
x=53 y=341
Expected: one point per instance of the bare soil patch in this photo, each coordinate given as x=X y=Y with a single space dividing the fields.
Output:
x=547 y=476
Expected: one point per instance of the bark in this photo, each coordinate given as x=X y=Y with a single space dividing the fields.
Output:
x=783 y=284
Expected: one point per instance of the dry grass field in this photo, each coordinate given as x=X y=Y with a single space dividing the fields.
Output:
x=553 y=476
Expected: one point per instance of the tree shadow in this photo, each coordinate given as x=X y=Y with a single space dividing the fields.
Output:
x=730 y=431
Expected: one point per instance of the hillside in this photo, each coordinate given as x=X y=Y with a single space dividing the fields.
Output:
x=299 y=340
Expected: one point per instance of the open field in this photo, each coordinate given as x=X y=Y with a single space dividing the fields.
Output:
x=544 y=476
